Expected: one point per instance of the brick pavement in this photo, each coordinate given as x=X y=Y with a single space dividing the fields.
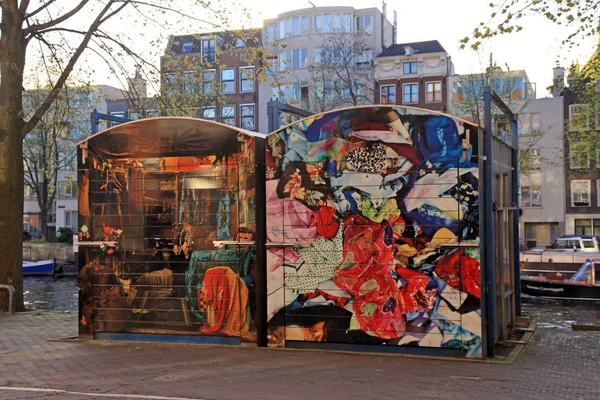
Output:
x=557 y=363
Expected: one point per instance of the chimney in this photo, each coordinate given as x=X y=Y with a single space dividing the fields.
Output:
x=138 y=87
x=558 y=81
x=395 y=33
x=383 y=19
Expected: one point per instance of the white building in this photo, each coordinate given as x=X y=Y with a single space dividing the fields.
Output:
x=297 y=39
x=542 y=174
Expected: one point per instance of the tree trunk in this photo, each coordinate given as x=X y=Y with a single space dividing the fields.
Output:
x=11 y=211
x=44 y=223
x=12 y=65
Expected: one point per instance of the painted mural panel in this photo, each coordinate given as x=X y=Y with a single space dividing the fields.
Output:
x=365 y=207
x=172 y=214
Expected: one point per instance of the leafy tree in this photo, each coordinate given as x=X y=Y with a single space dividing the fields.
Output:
x=49 y=148
x=581 y=16
x=63 y=34
x=582 y=130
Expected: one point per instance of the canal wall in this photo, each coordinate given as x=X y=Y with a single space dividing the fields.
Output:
x=62 y=252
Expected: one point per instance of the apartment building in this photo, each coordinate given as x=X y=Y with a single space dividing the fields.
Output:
x=321 y=58
x=413 y=74
x=212 y=76
x=582 y=148
x=541 y=173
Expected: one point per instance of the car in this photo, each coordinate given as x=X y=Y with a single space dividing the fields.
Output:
x=26 y=235
x=585 y=243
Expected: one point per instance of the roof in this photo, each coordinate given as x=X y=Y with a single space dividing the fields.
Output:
x=166 y=137
x=251 y=37
x=400 y=49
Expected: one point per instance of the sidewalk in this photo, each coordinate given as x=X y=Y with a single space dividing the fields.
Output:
x=557 y=363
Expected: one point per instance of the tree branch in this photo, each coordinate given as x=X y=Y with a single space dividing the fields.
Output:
x=29 y=125
x=23 y=6
x=40 y=8
x=62 y=18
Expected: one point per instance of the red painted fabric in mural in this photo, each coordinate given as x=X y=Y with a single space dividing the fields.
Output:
x=225 y=297
x=327 y=225
x=460 y=271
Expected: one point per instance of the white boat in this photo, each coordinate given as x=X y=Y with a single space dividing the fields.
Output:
x=43 y=267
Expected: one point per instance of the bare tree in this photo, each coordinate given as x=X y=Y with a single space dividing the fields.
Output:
x=63 y=35
x=342 y=71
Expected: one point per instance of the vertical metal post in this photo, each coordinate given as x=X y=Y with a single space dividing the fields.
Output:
x=489 y=282
x=273 y=112
x=260 y=240
x=94 y=121
x=515 y=199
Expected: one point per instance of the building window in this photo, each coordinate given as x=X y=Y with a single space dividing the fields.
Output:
x=529 y=123
x=580 y=193
x=304 y=25
x=433 y=92
x=328 y=90
x=587 y=226
x=411 y=93
x=187 y=47
x=578 y=118
x=578 y=157
x=531 y=196
x=190 y=85
x=271 y=34
x=67 y=189
x=388 y=94
x=247 y=116
x=318 y=23
x=246 y=79
x=71 y=220
x=209 y=113
x=228 y=115
x=240 y=43
x=531 y=160
x=364 y=57
x=208 y=81
x=410 y=68
x=364 y=23
x=208 y=50
x=228 y=80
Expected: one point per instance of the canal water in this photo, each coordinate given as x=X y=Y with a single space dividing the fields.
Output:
x=48 y=293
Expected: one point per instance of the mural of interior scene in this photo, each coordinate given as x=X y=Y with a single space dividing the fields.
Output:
x=373 y=230
x=172 y=194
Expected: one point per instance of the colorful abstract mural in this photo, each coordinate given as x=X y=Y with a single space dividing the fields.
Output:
x=370 y=213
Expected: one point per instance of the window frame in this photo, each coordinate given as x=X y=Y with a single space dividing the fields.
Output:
x=404 y=85
x=212 y=82
x=242 y=80
x=531 y=189
x=572 y=164
x=410 y=65
x=228 y=81
x=388 y=95
x=203 y=109
x=528 y=162
x=223 y=108
x=427 y=92
x=589 y=192
x=210 y=53
x=584 y=110
x=253 y=116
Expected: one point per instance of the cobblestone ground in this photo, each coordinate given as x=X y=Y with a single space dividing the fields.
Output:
x=557 y=363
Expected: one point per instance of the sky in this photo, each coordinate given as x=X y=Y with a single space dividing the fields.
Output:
x=537 y=49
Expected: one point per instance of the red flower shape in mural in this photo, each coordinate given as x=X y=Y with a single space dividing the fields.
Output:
x=327 y=225
x=461 y=272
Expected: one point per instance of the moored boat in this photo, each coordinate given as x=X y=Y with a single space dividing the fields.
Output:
x=44 y=267
x=583 y=285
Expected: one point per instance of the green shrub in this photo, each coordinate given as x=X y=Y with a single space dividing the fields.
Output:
x=65 y=235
